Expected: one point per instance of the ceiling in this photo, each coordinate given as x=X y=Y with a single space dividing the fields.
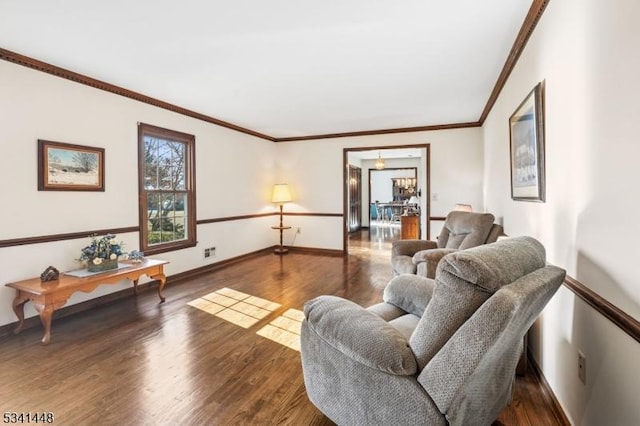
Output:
x=283 y=68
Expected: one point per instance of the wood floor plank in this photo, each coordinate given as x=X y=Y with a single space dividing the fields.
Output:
x=134 y=361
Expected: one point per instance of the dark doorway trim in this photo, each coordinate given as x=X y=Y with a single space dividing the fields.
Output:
x=345 y=184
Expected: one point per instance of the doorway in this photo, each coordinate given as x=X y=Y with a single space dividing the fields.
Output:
x=405 y=159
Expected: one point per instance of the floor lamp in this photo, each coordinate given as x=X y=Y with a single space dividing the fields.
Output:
x=281 y=195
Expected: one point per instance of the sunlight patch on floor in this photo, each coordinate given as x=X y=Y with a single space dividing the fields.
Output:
x=285 y=329
x=245 y=311
x=235 y=307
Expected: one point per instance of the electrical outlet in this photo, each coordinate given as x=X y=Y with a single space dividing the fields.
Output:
x=299 y=230
x=582 y=367
x=209 y=252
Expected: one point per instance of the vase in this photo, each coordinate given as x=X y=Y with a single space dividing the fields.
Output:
x=106 y=265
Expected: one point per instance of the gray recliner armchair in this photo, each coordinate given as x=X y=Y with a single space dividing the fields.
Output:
x=435 y=352
x=461 y=230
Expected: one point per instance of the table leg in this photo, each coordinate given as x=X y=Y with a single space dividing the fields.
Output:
x=46 y=312
x=18 y=308
x=163 y=281
x=135 y=287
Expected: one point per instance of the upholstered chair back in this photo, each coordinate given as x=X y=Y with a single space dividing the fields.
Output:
x=437 y=352
x=463 y=230
x=471 y=379
x=494 y=233
x=464 y=281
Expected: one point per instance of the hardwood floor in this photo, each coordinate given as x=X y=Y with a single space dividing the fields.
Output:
x=135 y=361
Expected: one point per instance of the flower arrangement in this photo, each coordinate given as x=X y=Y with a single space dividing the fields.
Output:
x=102 y=253
x=103 y=248
x=136 y=256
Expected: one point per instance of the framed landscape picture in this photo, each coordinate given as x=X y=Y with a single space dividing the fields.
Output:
x=67 y=167
x=526 y=131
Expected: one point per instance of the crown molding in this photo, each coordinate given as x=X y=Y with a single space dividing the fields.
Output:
x=531 y=20
x=38 y=65
x=381 y=132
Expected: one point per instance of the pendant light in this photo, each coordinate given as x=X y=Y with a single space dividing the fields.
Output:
x=379 y=162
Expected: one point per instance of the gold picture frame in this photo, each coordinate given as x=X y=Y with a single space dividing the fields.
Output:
x=68 y=167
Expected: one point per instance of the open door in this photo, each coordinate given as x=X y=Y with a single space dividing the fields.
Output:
x=355 y=197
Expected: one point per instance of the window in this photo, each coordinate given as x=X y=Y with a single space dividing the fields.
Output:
x=167 y=189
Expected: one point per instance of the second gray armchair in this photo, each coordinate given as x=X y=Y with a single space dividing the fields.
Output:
x=461 y=230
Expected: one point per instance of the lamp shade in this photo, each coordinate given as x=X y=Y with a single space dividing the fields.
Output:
x=280 y=193
x=463 y=208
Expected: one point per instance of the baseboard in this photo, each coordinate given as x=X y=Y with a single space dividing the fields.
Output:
x=547 y=393
x=34 y=321
x=319 y=251
x=214 y=266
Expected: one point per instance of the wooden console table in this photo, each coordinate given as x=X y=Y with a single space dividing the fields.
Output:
x=52 y=295
x=409 y=227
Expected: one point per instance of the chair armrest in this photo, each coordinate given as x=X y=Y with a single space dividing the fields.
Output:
x=433 y=255
x=430 y=258
x=359 y=335
x=410 y=247
x=410 y=293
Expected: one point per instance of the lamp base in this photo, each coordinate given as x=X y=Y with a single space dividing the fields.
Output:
x=281 y=250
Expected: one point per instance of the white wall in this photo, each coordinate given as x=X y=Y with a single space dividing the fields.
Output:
x=35 y=105
x=234 y=174
x=315 y=169
x=587 y=53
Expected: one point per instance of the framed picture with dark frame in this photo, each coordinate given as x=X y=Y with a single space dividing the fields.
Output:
x=526 y=131
x=67 y=167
